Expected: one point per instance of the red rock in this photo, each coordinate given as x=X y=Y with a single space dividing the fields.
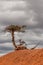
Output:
x=23 y=57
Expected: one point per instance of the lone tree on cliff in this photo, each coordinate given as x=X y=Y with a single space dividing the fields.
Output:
x=12 y=29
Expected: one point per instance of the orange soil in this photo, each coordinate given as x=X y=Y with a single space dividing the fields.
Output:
x=23 y=57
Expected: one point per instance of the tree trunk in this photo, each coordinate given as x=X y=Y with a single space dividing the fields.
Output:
x=13 y=40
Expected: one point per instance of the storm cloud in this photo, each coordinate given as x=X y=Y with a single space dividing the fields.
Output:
x=21 y=12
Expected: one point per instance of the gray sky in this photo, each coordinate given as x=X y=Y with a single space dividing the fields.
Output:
x=21 y=12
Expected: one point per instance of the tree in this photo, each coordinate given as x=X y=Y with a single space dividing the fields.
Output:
x=12 y=29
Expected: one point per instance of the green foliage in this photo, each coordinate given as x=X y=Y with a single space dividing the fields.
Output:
x=14 y=28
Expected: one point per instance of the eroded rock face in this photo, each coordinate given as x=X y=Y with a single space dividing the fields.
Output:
x=23 y=57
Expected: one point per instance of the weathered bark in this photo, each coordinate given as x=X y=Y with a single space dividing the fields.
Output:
x=13 y=40
x=35 y=46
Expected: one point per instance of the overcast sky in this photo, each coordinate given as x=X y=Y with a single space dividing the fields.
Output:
x=21 y=12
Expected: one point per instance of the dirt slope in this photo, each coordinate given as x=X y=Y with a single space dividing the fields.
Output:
x=23 y=57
